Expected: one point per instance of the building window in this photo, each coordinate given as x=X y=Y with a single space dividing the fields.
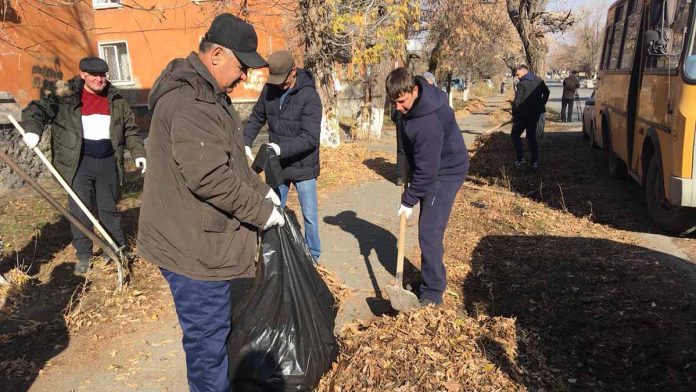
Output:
x=106 y=3
x=116 y=55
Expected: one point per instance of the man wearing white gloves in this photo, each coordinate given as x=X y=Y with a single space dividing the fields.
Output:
x=438 y=164
x=290 y=105
x=202 y=203
x=92 y=124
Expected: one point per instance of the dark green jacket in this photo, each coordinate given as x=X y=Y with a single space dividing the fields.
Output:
x=62 y=110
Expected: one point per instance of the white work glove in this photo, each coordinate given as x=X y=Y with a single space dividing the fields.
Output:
x=273 y=197
x=142 y=164
x=275 y=147
x=405 y=210
x=276 y=218
x=31 y=139
x=247 y=151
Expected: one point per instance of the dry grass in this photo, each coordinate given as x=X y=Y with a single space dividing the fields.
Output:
x=539 y=298
x=344 y=166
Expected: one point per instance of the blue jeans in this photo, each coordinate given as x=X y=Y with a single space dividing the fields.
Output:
x=307 y=193
x=204 y=309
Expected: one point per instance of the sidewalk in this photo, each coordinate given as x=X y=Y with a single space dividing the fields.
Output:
x=358 y=229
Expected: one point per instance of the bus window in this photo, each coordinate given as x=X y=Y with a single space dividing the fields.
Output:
x=607 y=47
x=690 y=61
x=615 y=56
x=633 y=25
x=661 y=14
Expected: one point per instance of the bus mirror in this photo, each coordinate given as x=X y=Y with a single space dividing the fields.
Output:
x=656 y=44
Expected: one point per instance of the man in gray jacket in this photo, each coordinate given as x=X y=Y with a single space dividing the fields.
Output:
x=202 y=204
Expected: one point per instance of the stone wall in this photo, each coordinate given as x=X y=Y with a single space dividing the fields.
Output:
x=11 y=144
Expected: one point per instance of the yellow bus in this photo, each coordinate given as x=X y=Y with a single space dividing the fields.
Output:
x=645 y=105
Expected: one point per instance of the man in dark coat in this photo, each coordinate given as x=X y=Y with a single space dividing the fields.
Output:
x=570 y=89
x=527 y=107
x=290 y=105
x=438 y=163
x=202 y=203
x=92 y=124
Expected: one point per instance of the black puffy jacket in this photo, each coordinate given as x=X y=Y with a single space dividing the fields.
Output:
x=530 y=99
x=295 y=126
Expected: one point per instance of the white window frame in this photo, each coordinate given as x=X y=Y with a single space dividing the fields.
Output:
x=108 y=4
x=100 y=46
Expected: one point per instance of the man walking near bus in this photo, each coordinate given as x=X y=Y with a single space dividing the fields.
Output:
x=290 y=105
x=438 y=163
x=527 y=108
x=202 y=204
x=570 y=90
x=92 y=124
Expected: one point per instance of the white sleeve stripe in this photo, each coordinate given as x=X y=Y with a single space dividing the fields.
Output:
x=96 y=126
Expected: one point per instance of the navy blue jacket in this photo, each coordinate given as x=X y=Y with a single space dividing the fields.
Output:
x=433 y=142
x=294 y=127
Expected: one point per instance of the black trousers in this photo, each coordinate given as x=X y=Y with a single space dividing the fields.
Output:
x=520 y=126
x=96 y=184
x=567 y=103
x=435 y=209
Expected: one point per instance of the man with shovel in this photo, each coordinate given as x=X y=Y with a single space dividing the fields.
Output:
x=202 y=203
x=92 y=123
x=438 y=164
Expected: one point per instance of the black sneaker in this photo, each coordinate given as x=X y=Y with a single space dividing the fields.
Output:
x=535 y=165
x=425 y=302
x=519 y=162
x=82 y=266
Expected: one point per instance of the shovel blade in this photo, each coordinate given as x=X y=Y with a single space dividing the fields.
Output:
x=402 y=300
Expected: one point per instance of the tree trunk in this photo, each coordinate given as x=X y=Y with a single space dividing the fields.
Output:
x=533 y=40
x=313 y=23
x=448 y=80
x=370 y=118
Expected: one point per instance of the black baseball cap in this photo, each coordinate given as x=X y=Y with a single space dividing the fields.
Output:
x=93 y=64
x=237 y=35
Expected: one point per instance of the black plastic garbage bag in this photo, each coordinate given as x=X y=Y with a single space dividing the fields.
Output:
x=282 y=337
x=267 y=161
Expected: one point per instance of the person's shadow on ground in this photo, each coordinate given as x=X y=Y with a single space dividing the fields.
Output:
x=372 y=237
x=600 y=315
x=33 y=326
x=382 y=167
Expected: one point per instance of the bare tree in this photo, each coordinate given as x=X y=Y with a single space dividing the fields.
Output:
x=533 y=23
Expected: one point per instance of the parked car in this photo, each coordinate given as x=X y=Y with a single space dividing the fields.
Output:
x=588 y=121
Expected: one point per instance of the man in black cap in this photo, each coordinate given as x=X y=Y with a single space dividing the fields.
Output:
x=291 y=106
x=202 y=203
x=92 y=124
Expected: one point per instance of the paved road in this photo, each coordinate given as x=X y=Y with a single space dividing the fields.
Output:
x=554 y=104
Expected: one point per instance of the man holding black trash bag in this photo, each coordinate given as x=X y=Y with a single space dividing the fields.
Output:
x=290 y=105
x=438 y=164
x=202 y=204
x=92 y=124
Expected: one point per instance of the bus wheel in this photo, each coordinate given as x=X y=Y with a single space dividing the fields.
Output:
x=585 y=134
x=593 y=141
x=673 y=219
x=617 y=167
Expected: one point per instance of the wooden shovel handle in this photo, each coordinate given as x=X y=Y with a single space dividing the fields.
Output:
x=400 y=250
